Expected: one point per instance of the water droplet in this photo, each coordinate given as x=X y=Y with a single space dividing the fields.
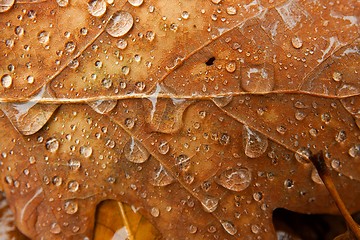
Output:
x=335 y=164
x=299 y=115
x=97 y=8
x=120 y=24
x=223 y=101
x=52 y=144
x=20 y=31
x=257 y=79
x=258 y=196
x=62 y=3
x=229 y=227
x=296 y=42
x=216 y=1
x=57 y=181
x=354 y=151
x=103 y=106
x=30 y=79
x=230 y=66
x=74 y=165
x=302 y=155
x=340 y=136
x=86 y=151
x=5 y=5
x=255 y=229
x=155 y=212
x=315 y=176
x=136 y=3
x=71 y=207
x=288 y=183
x=135 y=152
x=164 y=147
x=236 y=179
x=231 y=10
x=130 y=123
x=210 y=203
x=73 y=186
x=121 y=44
x=183 y=162
x=192 y=229
x=336 y=76
x=326 y=117
x=161 y=177
x=43 y=37
x=32 y=160
x=6 y=81
x=255 y=144
x=185 y=15
x=55 y=228
x=281 y=129
x=70 y=47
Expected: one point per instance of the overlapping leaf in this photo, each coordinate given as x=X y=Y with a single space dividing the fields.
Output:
x=200 y=114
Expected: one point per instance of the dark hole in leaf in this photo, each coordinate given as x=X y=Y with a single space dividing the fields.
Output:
x=292 y=225
x=210 y=61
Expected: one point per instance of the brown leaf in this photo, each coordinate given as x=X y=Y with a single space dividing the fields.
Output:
x=201 y=115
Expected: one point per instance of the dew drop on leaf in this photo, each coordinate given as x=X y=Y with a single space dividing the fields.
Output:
x=71 y=207
x=354 y=151
x=135 y=152
x=73 y=186
x=6 y=81
x=120 y=24
x=155 y=212
x=160 y=177
x=302 y=155
x=223 y=101
x=183 y=162
x=55 y=228
x=192 y=229
x=163 y=147
x=103 y=106
x=52 y=144
x=236 y=179
x=43 y=37
x=86 y=151
x=257 y=78
x=255 y=143
x=296 y=42
x=315 y=177
x=62 y=3
x=5 y=5
x=229 y=227
x=136 y=3
x=97 y=8
x=210 y=203
x=74 y=165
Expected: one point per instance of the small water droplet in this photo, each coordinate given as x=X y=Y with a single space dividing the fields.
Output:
x=231 y=66
x=340 y=136
x=30 y=79
x=136 y=3
x=73 y=186
x=5 y=5
x=86 y=151
x=97 y=8
x=236 y=179
x=302 y=155
x=192 y=229
x=120 y=24
x=185 y=15
x=335 y=164
x=155 y=212
x=326 y=117
x=103 y=106
x=74 y=165
x=32 y=160
x=130 y=123
x=210 y=203
x=57 y=181
x=258 y=78
x=255 y=229
x=296 y=42
x=288 y=183
x=121 y=44
x=231 y=10
x=299 y=115
x=183 y=162
x=135 y=152
x=258 y=196
x=161 y=177
x=43 y=37
x=55 y=228
x=6 y=81
x=62 y=3
x=354 y=151
x=164 y=147
x=255 y=144
x=52 y=144
x=71 y=207
x=281 y=129
x=70 y=47
x=336 y=76
x=229 y=227
x=223 y=101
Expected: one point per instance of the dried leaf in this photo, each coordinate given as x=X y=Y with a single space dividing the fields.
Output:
x=199 y=114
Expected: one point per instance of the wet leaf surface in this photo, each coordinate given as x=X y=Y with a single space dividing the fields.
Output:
x=199 y=114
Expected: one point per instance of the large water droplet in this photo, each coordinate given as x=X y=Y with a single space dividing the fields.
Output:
x=71 y=207
x=155 y=212
x=258 y=78
x=135 y=152
x=6 y=81
x=97 y=8
x=161 y=177
x=86 y=151
x=229 y=227
x=183 y=162
x=55 y=228
x=120 y=24
x=255 y=143
x=43 y=37
x=210 y=203
x=136 y=3
x=354 y=151
x=5 y=5
x=302 y=155
x=103 y=106
x=52 y=144
x=223 y=101
x=296 y=42
x=235 y=179
x=163 y=147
